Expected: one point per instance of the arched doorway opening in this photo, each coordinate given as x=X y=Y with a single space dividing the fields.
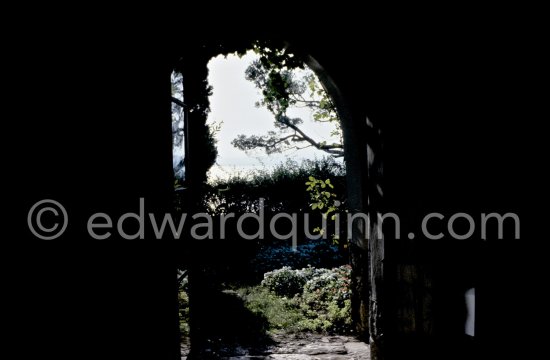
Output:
x=356 y=153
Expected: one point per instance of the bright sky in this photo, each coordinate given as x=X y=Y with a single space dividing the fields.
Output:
x=232 y=103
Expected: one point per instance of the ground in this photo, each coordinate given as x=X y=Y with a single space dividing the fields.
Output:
x=296 y=347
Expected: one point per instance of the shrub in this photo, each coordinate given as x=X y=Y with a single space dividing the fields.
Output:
x=183 y=309
x=281 y=313
x=183 y=303
x=284 y=281
x=320 y=296
x=282 y=187
x=327 y=295
x=329 y=285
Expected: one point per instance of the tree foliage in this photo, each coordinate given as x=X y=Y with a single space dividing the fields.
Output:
x=285 y=83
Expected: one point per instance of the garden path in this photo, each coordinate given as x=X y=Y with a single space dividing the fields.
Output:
x=298 y=347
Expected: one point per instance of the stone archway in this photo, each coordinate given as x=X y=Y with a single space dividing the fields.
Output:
x=363 y=168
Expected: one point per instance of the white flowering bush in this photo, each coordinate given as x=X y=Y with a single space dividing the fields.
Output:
x=326 y=300
x=284 y=281
x=328 y=285
x=320 y=296
x=310 y=273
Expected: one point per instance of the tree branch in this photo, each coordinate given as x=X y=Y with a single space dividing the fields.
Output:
x=182 y=276
x=178 y=102
x=272 y=145
x=327 y=148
